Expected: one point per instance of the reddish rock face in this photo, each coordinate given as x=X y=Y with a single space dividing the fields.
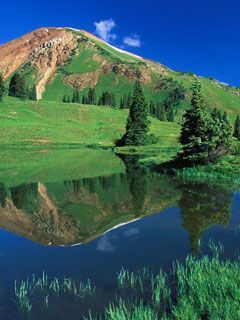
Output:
x=48 y=48
x=45 y=49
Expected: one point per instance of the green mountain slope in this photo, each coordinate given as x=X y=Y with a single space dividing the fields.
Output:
x=66 y=59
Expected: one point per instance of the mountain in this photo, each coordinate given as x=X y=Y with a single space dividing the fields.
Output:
x=58 y=60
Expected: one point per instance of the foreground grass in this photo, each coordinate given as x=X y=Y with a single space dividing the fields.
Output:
x=202 y=288
x=41 y=290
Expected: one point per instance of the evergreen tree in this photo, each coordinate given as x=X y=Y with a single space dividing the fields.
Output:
x=2 y=88
x=91 y=98
x=77 y=96
x=170 y=114
x=160 y=112
x=152 y=109
x=220 y=135
x=236 y=132
x=64 y=98
x=194 y=132
x=123 y=102
x=33 y=93
x=226 y=132
x=68 y=99
x=84 y=99
x=204 y=137
x=169 y=110
x=112 y=101
x=137 y=122
x=129 y=100
x=74 y=97
x=17 y=86
x=107 y=99
x=28 y=93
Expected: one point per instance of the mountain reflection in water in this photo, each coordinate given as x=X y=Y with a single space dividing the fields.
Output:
x=77 y=211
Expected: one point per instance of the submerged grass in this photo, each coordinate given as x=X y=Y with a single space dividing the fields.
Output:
x=206 y=288
x=40 y=290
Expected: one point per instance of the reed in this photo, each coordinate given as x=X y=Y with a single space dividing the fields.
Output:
x=206 y=287
x=43 y=289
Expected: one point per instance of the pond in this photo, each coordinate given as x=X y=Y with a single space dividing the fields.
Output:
x=90 y=226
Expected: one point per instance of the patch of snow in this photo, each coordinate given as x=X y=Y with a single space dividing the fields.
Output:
x=73 y=29
x=123 y=51
x=120 y=225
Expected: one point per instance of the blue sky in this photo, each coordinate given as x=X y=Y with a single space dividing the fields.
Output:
x=198 y=36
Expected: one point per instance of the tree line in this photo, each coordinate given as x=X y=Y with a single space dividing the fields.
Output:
x=106 y=98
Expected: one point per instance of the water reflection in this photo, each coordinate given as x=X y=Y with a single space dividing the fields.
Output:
x=80 y=210
x=201 y=206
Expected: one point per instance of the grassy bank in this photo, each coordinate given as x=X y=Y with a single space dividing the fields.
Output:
x=227 y=169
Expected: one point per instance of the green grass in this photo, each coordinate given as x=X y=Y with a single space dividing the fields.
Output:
x=82 y=62
x=206 y=287
x=227 y=170
x=41 y=290
x=45 y=123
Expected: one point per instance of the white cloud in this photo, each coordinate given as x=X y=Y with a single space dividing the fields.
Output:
x=105 y=245
x=132 y=41
x=131 y=232
x=104 y=28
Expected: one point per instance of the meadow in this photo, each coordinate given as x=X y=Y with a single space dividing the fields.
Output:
x=53 y=124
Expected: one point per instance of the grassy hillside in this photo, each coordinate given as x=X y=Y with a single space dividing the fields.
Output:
x=45 y=123
x=93 y=63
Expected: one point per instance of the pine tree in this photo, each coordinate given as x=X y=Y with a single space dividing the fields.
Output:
x=17 y=86
x=123 y=102
x=68 y=99
x=226 y=132
x=194 y=132
x=220 y=135
x=77 y=96
x=33 y=93
x=84 y=99
x=74 y=97
x=129 y=101
x=205 y=138
x=170 y=115
x=64 y=98
x=112 y=100
x=152 y=110
x=137 y=122
x=160 y=111
x=236 y=132
x=2 y=88
x=91 y=96
x=168 y=104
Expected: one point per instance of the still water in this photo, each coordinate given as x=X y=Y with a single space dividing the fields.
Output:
x=90 y=228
